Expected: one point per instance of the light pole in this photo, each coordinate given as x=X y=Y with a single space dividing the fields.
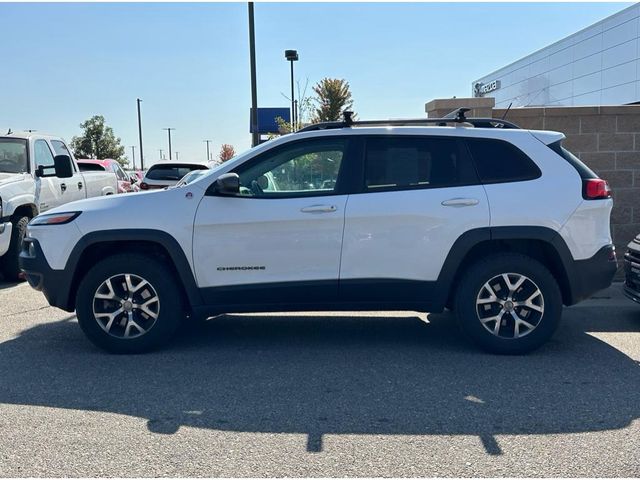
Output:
x=133 y=157
x=292 y=56
x=177 y=152
x=161 y=154
x=140 y=135
x=207 y=142
x=168 y=129
x=255 y=136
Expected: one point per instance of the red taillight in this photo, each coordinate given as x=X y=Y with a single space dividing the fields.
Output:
x=596 y=188
x=144 y=186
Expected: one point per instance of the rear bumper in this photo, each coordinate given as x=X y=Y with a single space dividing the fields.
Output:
x=589 y=276
x=632 y=271
x=5 y=237
x=54 y=284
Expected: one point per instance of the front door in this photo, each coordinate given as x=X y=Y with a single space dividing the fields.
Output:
x=279 y=240
x=75 y=187
x=49 y=190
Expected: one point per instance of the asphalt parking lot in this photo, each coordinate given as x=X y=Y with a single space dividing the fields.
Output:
x=366 y=394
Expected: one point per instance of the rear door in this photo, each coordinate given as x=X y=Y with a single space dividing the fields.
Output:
x=418 y=195
x=279 y=241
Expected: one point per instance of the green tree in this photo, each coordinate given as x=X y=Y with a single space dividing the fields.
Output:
x=332 y=97
x=98 y=141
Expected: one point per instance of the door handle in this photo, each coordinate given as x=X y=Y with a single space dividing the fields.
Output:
x=63 y=186
x=460 y=202
x=79 y=185
x=319 y=209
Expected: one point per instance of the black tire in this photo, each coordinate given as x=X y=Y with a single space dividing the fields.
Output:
x=170 y=309
x=468 y=311
x=10 y=267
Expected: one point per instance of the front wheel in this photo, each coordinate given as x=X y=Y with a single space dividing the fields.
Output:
x=508 y=303
x=129 y=303
x=10 y=267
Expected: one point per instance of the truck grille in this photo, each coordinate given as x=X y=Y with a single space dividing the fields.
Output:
x=632 y=269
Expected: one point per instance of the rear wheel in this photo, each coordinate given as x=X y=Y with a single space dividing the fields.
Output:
x=508 y=303
x=129 y=303
x=10 y=267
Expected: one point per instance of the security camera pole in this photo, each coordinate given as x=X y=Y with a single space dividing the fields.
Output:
x=292 y=56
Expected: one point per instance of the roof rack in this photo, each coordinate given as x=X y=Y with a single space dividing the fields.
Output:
x=457 y=117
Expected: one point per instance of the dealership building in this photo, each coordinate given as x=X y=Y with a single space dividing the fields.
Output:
x=595 y=66
x=586 y=86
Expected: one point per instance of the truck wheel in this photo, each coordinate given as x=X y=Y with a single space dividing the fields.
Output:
x=508 y=304
x=10 y=267
x=129 y=303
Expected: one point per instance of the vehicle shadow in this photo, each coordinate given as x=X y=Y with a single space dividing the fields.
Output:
x=336 y=375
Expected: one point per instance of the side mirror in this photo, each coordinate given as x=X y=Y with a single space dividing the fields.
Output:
x=62 y=165
x=227 y=184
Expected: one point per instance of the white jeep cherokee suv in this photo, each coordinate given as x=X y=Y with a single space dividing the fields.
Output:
x=500 y=224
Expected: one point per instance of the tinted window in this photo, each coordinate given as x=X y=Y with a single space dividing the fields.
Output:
x=43 y=155
x=304 y=168
x=90 y=167
x=584 y=171
x=171 y=173
x=416 y=162
x=498 y=161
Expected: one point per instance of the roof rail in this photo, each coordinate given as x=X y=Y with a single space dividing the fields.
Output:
x=456 y=117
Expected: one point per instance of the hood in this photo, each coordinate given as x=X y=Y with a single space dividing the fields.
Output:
x=10 y=177
x=119 y=202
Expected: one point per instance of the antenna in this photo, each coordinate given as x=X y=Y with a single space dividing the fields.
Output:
x=507 y=111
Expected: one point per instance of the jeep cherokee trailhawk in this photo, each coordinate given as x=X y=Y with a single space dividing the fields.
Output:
x=500 y=224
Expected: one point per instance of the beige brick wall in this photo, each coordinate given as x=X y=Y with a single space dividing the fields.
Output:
x=607 y=139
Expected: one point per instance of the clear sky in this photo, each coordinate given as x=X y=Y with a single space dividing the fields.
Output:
x=189 y=63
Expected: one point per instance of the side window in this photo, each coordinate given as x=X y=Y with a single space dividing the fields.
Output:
x=43 y=155
x=304 y=169
x=61 y=149
x=118 y=171
x=498 y=161
x=407 y=162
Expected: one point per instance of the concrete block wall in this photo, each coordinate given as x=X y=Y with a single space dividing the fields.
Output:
x=606 y=138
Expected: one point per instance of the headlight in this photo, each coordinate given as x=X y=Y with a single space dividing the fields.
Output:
x=55 y=218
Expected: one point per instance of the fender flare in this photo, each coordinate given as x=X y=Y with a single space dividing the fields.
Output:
x=164 y=239
x=470 y=239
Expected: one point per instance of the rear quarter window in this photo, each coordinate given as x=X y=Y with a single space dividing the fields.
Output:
x=498 y=161
x=584 y=171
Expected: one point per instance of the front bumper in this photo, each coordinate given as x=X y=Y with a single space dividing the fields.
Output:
x=5 y=237
x=632 y=271
x=54 y=284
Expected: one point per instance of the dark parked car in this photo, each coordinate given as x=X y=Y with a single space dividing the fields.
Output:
x=632 y=270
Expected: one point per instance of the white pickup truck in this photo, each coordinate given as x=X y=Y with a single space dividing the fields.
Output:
x=38 y=172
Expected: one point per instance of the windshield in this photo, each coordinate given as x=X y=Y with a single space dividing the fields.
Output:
x=13 y=155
